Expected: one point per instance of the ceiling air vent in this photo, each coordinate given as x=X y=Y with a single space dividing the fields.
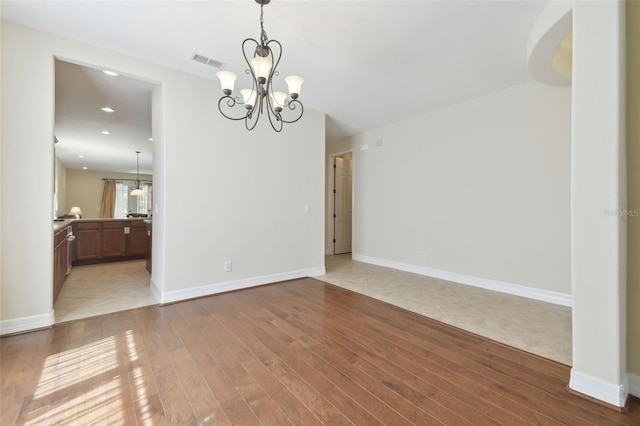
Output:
x=207 y=61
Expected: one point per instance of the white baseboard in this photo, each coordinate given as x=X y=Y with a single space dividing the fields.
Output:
x=207 y=290
x=155 y=291
x=634 y=384
x=501 y=286
x=611 y=393
x=18 y=325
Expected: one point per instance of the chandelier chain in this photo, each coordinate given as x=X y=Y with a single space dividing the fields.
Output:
x=263 y=35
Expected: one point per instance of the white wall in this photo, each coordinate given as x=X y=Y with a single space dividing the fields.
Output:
x=598 y=179
x=633 y=165
x=247 y=190
x=482 y=188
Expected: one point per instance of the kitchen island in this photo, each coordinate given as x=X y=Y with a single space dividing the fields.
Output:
x=109 y=240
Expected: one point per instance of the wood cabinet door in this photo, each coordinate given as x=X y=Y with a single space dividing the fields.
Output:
x=113 y=240
x=87 y=242
x=137 y=242
x=60 y=260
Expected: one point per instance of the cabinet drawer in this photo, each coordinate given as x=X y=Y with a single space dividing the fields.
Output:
x=88 y=225
x=112 y=225
x=138 y=224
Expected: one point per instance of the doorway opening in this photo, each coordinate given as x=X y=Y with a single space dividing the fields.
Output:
x=103 y=150
x=341 y=203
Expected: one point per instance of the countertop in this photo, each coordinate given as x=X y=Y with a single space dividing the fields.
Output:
x=61 y=224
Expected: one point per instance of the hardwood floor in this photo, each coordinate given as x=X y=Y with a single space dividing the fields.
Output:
x=298 y=352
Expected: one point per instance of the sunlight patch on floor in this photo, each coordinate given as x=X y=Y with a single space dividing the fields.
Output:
x=90 y=382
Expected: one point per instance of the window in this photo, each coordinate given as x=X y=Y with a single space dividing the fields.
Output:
x=127 y=203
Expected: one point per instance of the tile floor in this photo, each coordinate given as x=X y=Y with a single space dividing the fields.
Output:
x=537 y=327
x=92 y=290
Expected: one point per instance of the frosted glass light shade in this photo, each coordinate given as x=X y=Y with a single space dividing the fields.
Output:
x=249 y=97
x=295 y=84
x=227 y=81
x=278 y=100
x=261 y=68
x=137 y=192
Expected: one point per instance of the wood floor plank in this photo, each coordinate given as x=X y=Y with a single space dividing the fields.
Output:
x=200 y=338
x=524 y=376
x=284 y=347
x=439 y=412
x=412 y=410
x=254 y=357
x=297 y=352
x=287 y=374
x=426 y=401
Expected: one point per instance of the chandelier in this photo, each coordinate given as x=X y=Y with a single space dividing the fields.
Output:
x=261 y=98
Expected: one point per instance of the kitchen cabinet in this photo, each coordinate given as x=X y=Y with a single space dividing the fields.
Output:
x=109 y=240
x=113 y=239
x=138 y=239
x=88 y=241
x=61 y=258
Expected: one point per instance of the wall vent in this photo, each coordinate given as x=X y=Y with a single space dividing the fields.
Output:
x=207 y=61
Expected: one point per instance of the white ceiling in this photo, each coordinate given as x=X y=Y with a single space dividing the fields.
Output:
x=365 y=63
x=81 y=92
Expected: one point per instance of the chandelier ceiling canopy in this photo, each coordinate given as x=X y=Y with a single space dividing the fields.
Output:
x=262 y=57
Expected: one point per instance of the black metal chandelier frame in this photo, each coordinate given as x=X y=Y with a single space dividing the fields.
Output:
x=262 y=97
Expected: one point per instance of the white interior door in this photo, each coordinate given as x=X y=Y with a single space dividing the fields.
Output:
x=342 y=209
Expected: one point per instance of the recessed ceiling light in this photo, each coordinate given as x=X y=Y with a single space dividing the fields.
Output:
x=84 y=168
x=105 y=132
x=150 y=139
x=107 y=109
x=80 y=156
x=111 y=73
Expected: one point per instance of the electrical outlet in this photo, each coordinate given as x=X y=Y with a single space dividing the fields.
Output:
x=228 y=266
x=423 y=255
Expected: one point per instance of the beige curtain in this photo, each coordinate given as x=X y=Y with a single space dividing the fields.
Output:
x=108 y=200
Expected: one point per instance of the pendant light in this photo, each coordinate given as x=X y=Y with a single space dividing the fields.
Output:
x=137 y=192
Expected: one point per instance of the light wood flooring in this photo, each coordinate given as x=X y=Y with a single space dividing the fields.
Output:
x=298 y=352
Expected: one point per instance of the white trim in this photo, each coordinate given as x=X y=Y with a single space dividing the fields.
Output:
x=155 y=291
x=17 y=325
x=206 y=290
x=611 y=393
x=489 y=284
x=634 y=384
